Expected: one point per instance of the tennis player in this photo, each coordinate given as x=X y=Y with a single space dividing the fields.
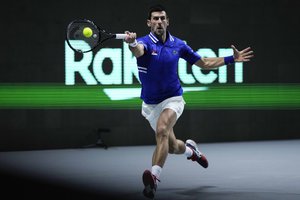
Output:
x=157 y=57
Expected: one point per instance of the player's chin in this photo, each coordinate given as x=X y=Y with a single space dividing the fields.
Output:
x=160 y=31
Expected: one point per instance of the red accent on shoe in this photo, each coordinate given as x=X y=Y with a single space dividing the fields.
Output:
x=194 y=157
x=150 y=184
x=203 y=161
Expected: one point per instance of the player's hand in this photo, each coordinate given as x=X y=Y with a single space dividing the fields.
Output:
x=242 y=56
x=131 y=37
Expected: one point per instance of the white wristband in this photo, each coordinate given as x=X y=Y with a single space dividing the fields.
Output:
x=133 y=44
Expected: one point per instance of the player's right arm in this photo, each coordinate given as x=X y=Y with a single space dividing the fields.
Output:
x=136 y=48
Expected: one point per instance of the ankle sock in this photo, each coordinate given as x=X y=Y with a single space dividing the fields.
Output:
x=188 y=152
x=156 y=170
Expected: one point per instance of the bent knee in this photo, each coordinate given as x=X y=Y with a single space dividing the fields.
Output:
x=162 y=131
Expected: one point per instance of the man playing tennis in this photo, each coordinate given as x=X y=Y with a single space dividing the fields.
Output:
x=157 y=57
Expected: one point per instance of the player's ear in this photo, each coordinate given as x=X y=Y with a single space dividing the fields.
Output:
x=148 y=23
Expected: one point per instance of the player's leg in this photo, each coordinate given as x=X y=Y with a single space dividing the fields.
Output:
x=175 y=146
x=165 y=123
x=154 y=156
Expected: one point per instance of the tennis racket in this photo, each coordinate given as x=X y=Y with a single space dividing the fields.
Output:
x=83 y=35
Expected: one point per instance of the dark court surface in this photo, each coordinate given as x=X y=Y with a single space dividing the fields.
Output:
x=259 y=170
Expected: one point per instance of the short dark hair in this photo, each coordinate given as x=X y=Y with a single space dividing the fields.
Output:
x=156 y=8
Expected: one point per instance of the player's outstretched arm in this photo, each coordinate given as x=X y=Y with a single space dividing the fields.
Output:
x=238 y=56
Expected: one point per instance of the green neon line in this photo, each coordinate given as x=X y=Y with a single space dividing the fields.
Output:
x=222 y=96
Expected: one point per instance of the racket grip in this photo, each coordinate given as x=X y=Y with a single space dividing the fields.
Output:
x=121 y=36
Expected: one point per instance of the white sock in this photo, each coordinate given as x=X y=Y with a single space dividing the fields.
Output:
x=156 y=170
x=188 y=152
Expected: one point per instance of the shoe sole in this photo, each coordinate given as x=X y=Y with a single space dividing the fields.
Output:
x=149 y=184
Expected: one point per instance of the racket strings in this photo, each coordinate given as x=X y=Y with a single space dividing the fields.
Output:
x=80 y=42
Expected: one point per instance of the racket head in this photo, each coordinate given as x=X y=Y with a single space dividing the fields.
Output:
x=77 y=40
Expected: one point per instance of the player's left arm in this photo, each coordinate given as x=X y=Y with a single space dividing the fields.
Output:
x=238 y=56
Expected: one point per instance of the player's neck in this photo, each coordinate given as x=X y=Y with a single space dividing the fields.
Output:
x=162 y=37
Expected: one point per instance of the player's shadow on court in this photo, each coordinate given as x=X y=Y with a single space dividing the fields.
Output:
x=183 y=193
x=216 y=193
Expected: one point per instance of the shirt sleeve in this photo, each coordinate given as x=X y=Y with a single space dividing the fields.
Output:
x=141 y=41
x=189 y=54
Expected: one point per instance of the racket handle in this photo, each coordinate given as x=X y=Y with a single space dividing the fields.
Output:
x=120 y=36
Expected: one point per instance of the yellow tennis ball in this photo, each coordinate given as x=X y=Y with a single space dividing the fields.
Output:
x=87 y=32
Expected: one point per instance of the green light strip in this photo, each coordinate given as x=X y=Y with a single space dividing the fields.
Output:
x=247 y=97
x=238 y=96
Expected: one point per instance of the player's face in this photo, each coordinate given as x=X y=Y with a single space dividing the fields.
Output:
x=158 y=23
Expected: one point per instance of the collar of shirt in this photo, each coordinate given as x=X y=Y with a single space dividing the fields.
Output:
x=155 y=40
